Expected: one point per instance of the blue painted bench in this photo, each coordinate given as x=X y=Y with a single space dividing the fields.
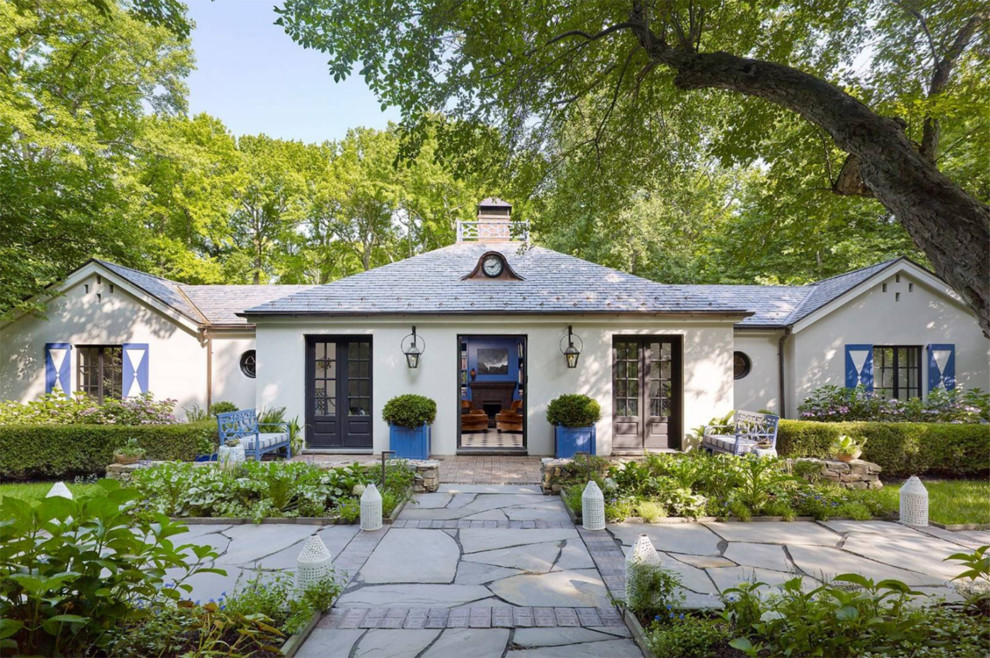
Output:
x=751 y=432
x=243 y=425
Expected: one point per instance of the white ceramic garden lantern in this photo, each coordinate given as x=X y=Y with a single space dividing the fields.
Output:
x=313 y=564
x=642 y=553
x=371 y=508
x=59 y=489
x=914 y=502
x=593 y=507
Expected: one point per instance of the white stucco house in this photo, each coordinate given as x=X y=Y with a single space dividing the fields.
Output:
x=492 y=317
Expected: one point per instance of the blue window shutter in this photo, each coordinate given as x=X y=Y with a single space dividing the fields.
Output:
x=135 y=369
x=58 y=367
x=859 y=366
x=942 y=366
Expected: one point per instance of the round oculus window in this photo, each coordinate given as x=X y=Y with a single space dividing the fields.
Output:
x=249 y=364
x=741 y=365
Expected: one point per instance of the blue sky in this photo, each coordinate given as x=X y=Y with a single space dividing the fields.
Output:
x=255 y=79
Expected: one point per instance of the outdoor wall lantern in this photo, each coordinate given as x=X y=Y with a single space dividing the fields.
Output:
x=571 y=353
x=413 y=350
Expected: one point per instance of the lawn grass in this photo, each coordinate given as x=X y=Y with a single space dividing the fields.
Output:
x=951 y=501
x=29 y=491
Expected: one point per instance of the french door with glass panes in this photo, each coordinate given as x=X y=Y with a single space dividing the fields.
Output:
x=646 y=390
x=338 y=392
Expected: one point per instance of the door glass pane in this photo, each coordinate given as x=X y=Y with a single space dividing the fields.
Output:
x=325 y=378
x=113 y=372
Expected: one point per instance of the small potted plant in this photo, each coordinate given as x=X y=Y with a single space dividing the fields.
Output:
x=846 y=448
x=130 y=453
x=231 y=453
x=409 y=418
x=573 y=417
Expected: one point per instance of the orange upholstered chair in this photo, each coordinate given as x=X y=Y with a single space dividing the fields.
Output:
x=510 y=420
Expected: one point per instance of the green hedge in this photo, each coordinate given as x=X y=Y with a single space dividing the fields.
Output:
x=44 y=451
x=902 y=449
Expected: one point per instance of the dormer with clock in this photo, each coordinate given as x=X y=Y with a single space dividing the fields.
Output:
x=493 y=265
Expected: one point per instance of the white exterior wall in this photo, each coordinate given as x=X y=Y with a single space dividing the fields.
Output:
x=707 y=367
x=229 y=383
x=177 y=360
x=760 y=388
x=922 y=316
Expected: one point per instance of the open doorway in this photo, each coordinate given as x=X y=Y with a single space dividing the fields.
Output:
x=492 y=394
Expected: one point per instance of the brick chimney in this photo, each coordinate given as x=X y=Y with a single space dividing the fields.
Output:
x=494 y=224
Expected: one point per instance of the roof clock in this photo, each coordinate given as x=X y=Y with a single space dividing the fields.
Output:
x=492 y=266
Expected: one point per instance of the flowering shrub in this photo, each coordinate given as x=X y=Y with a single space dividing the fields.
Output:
x=835 y=403
x=57 y=409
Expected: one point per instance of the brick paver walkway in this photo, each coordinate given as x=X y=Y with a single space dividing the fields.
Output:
x=489 y=469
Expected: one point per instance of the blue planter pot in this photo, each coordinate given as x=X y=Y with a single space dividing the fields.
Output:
x=206 y=458
x=409 y=443
x=571 y=440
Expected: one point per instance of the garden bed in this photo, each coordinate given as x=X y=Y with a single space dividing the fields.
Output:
x=698 y=486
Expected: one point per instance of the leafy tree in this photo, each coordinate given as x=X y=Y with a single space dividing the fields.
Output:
x=533 y=68
x=75 y=82
x=185 y=178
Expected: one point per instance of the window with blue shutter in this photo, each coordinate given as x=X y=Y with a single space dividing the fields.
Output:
x=942 y=366
x=135 y=374
x=58 y=367
x=859 y=366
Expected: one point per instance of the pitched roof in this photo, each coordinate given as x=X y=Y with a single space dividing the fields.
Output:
x=552 y=282
x=822 y=292
x=204 y=304
x=165 y=290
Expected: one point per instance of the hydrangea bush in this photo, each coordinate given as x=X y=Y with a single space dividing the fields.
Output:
x=835 y=403
x=57 y=409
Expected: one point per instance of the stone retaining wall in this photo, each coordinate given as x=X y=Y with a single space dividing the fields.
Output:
x=857 y=474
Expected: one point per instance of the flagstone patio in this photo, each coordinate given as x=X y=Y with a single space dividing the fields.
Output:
x=500 y=570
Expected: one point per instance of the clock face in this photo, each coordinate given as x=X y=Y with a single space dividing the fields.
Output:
x=492 y=266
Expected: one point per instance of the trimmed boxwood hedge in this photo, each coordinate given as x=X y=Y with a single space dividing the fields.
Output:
x=902 y=449
x=47 y=451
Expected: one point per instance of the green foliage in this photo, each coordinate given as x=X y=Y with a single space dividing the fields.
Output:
x=222 y=407
x=846 y=446
x=276 y=416
x=275 y=596
x=56 y=409
x=652 y=589
x=836 y=403
x=260 y=490
x=70 y=571
x=637 y=162
x=901 y=449
x=974 y=582
x=676 y=635
x=573 y=410
x=51 y=451
x=131 y=448
x=186 y=628
x=410 y=411
x=853 y=616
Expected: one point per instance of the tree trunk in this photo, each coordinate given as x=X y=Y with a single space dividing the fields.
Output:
x=948 y=225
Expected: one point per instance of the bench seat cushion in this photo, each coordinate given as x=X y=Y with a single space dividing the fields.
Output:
x=267 y=440
x=728 y=443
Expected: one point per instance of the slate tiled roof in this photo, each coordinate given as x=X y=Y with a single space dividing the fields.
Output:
x=165 y=290
x=221 y=304
x=552 y=283
x=824 y=291
x=205 y=304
